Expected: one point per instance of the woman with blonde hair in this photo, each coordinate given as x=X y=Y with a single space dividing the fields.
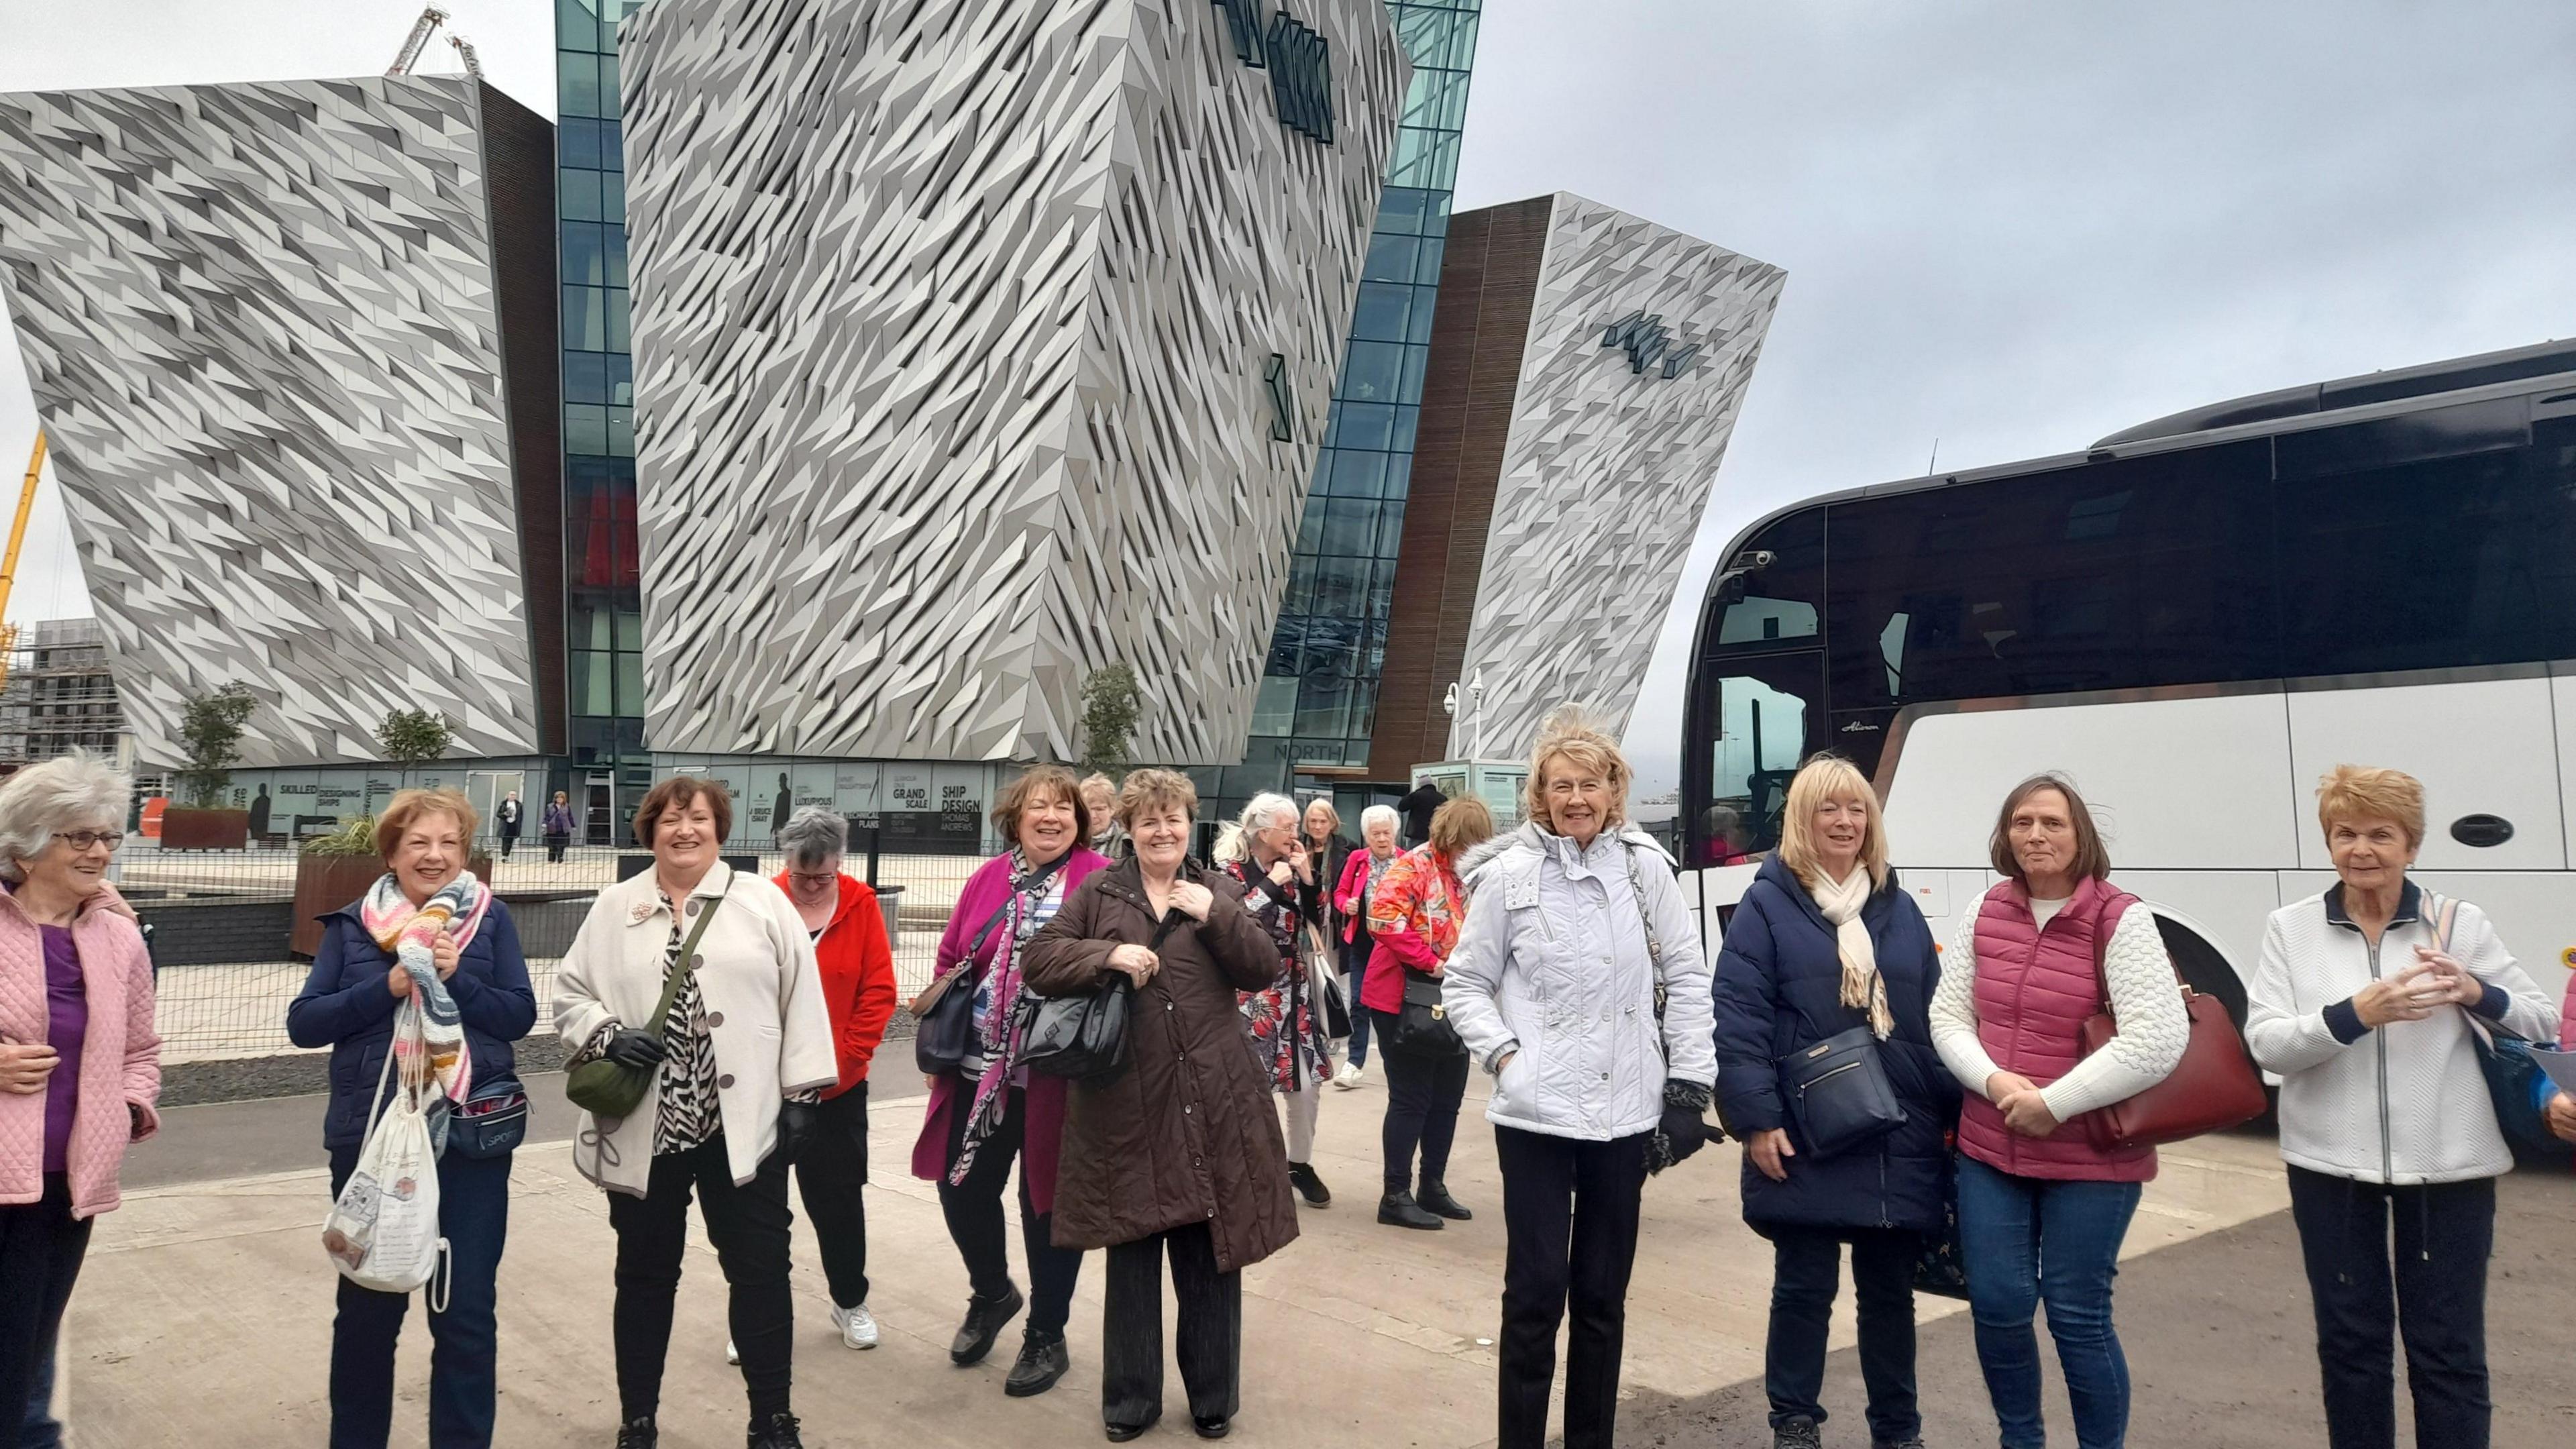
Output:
x=1262 y=853
x=1576 y=922
x=2364 y=1002
x=1826 y=948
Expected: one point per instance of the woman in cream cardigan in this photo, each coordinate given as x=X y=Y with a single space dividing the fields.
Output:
x=736 y=1070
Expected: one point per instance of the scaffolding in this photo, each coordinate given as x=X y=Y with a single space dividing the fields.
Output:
x=60 y=694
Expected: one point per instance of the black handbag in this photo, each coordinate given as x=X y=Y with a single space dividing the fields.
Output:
x=1084 y=1037
x=944 y=1013
x=1422 y=1026
x=1838 y=1093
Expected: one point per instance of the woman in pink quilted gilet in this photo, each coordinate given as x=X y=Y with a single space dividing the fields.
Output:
x=2041 y=1209
x=80 y=1066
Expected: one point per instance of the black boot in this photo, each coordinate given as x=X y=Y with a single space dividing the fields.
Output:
x=1042 y=1361
x=984 y=1321
x=1397 y=1210
x=1435 y=1198
x=777 y=1431
x=1310 y=1187
x=638 y=1433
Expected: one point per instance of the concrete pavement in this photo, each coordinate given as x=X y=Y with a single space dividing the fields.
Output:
x=204 y=1314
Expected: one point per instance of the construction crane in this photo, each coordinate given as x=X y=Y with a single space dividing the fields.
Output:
x=418 y=41
x=465 y=52
x=9 y=560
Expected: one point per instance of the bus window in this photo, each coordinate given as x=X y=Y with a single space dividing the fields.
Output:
x=1780 y=599
x=1766 y=714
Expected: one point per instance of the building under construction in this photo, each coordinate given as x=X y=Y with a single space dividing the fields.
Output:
x=60 y=696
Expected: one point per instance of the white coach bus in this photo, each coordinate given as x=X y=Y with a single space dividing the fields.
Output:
x=2193 y=619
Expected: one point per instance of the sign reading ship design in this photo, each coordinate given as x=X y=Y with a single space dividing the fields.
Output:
x=1648 y=342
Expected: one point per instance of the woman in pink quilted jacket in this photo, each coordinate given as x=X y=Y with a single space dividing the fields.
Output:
x=80 y=1065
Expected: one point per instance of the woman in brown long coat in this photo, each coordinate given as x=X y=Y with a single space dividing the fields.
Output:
x=1182 y=1151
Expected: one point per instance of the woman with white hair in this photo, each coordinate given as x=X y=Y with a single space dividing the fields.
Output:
x=80 y=1066
x=1261 y=851
x=1362 y=871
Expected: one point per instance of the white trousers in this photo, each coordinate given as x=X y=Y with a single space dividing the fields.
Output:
x=1302 y=1108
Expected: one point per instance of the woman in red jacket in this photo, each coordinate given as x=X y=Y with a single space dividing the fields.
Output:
x=1414 y=915
x=857 y=967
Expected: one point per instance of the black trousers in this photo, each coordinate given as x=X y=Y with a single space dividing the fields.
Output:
x=1422 y=1097
x=555 y=846
x=2438 y=1304
x=509 y=842
x=464 y=1369
x=1570 y=1233
x=750 y=1227
x=974 y=1212
x=41 y=1246
x=1806 y=1273
x=830 y=1170
x=1210 y=1347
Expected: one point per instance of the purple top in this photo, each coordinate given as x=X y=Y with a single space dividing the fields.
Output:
x=66 y=1023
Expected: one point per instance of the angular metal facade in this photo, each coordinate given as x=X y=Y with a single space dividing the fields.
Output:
x=262 y=326
x=954 y=332
x=1612 y=453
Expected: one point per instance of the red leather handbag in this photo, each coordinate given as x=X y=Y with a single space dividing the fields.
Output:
x=2213 y=1088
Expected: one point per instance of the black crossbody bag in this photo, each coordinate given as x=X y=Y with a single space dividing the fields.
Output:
x=1838 y=1093
x=1084 y=1037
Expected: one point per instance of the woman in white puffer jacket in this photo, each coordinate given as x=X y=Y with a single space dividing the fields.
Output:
x=1552 y=988
x=2364 y=1002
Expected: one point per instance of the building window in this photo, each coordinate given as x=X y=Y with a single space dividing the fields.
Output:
x=1283 y=405
x=1301 y=77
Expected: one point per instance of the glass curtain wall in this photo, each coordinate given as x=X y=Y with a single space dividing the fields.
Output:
x=604 y=611
x=1318 y=700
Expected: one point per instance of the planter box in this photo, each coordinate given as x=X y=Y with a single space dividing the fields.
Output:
x=325 y=883
x=204 y=829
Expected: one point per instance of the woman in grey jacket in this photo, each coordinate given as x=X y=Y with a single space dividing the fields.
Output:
x=1573 y=920
x=2364 y=1003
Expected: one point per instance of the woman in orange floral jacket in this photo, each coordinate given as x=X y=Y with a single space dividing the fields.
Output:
x=1415 y=915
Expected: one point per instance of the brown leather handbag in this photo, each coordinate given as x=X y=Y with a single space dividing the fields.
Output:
x=2213 y=1088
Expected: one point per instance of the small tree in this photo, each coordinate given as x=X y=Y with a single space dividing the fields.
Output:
x=413 y=737
x=210 y=730
x=1111 y=704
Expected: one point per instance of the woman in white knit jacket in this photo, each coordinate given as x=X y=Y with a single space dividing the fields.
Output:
x=2363 y=1003
x=735 y=1071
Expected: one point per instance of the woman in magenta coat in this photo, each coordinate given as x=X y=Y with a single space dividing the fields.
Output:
x=991 y=1110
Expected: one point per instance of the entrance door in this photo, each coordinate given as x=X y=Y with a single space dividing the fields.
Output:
x=600 y=814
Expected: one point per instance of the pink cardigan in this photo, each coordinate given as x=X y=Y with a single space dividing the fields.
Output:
x=120 y=1052
x=1043 y=1134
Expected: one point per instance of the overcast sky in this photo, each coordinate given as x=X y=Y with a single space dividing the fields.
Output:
x=2013 y=227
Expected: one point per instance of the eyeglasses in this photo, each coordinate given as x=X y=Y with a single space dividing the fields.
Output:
x=804 y=879
x=85 y=839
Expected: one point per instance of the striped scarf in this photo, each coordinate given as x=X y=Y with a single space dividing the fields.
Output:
x=406 y=933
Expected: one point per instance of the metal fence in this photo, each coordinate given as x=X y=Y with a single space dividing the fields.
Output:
x=222 y=924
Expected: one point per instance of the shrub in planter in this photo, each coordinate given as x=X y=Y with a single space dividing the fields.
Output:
x=187 y=828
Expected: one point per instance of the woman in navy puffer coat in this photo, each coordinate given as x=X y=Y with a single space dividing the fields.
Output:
x=1791 y=975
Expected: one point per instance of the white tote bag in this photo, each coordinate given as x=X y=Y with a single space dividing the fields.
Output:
x=383 y=1229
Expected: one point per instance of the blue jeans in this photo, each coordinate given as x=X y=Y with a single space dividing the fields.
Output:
x=2028 y=1241
x=474 y=1217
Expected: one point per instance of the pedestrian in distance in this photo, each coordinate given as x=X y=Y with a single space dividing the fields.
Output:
x=349 y=1004
x=742 y=1052
x=558 y=826
x=1264 y=853
x=1179 y=1156
x=1576 y=922
x=507 y=819
x=1319 y=828
x=80 y=1065
x=1100 y=802
x=1355 y=886
x=856 y=966
x=2042 y=1209
x=1825 y=943
x=1417 y=807
x=1415 y=914
x=992 y=1110
x=2364 y=1002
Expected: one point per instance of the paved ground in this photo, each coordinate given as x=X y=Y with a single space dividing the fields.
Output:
x=204 y=1314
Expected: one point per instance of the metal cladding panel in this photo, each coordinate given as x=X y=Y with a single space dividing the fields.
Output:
x=951 y=325
x=1608 y=467
x=261 y=328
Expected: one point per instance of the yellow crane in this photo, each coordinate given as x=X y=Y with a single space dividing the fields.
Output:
x=9 y=560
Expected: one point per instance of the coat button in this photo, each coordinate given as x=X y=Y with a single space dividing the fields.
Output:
x=714 y=1019
x=725 y=1082
x=693 y=905
x=1185 y=1111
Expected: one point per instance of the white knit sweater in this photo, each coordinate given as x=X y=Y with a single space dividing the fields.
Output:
x=2154 y=1028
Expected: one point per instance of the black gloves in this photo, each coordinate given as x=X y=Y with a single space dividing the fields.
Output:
x=1684 y=1129
x=797 y=1122
x=641 y=1050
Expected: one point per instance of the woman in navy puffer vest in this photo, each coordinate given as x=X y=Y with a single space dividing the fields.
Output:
x=1789 y=977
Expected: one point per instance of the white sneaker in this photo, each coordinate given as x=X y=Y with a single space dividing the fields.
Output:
x=1348 y=1078
x=733 y=1355
x=858 y=1327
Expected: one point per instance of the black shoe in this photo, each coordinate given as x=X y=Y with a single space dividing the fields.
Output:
x=1798 y=1433
x=1397 y=1210
x=1121 y=1433
x=778 y=1431
x=1042 y=1361
x=1211 y=1428
x=1434 y=1198
x=984 y=1322
x=1910 y=1442
x=1310 y=1187
x=638 y=1433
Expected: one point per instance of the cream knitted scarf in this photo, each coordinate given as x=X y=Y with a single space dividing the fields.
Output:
x=1840 y=901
